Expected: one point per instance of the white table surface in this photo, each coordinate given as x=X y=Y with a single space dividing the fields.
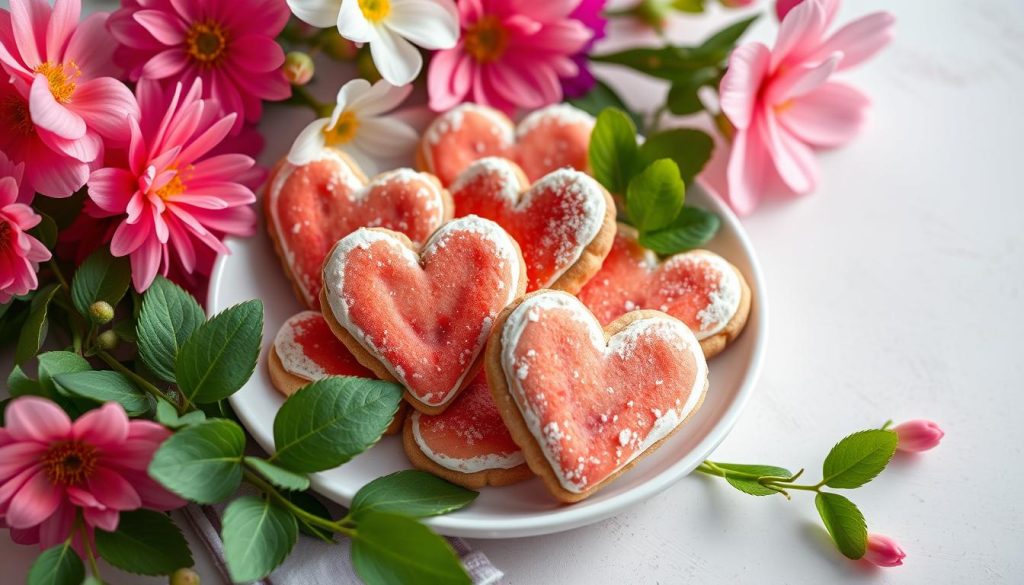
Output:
x=896 y=292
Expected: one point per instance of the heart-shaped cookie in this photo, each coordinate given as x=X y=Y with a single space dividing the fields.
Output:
x=468 y=444
x=564 y=223
x=550 y=138
x=585 y=403
x=421 y=316
x=700 y=288
x=312 y=206
x=305 y=349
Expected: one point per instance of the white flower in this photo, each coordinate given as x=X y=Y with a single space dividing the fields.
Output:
x=391 y=27
x=357 y=128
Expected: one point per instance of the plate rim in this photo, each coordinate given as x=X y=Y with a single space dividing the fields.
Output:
x=570 y=517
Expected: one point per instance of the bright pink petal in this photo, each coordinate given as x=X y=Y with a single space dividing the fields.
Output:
x=165 y=64
x=448 y=78
x=828 y=117
x=741 y=85
x=154 y=496
x=799 y=80
x=112 y=490
x=104 y=104
x=36 y=419
x=103 y=519
x=144 y=430
x=162 y=25
x=145 y=262
x=860 y=40
x=62 y=23
x=747 y=169
x=29 y=19
x=35 y=501
x=17 y=457
x=220 y=167
x=85 y=149
x=91 y=48
x=112 y=188
x=54 y=174
x=799 y=33
x=794 y=160
x=207 y=140
x=50 y=115
x=57 y=527
x=106 y=425
x=257 y=53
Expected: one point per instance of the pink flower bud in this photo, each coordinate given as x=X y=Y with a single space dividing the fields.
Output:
x=737 y=3
x=782 y=7
x=884 y=551
x=918 y=435
x=298 y=68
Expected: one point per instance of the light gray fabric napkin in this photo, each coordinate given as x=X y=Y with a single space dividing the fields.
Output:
x=314 y=562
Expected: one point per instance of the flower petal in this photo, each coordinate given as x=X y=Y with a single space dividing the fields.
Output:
x=741 y=85
x=747 y=168
x=111 y=189
x=34 y=502
x=112 y=490
x=162 y=25
x=396 y=59
x=309 y=143
x=799 y=33
x=30 y=418
x=17 y=457
x=794 y=160
x=63 y=21
x=860 y=40
x=351 y=22
x=828 y=117
x=106 y=425
x=257 y=53
x=165 y=64
x=105 y=519
x=799 y=80
x=50 y=115
x=104 y=104
x=381 y=97
x=29 y=19
x=431 y=25
x=91 y=48
x=319 y=13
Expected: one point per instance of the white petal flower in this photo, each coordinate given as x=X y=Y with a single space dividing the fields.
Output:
x=358 y=127
x=391 y=27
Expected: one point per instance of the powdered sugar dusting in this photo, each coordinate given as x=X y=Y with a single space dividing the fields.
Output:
x=723 y=297
x=559 y=114
x=451 y=122
x=468 y=465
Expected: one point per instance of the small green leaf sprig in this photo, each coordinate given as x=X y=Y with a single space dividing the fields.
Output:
x=167 y=362
x=852 y=462
x=650 y=180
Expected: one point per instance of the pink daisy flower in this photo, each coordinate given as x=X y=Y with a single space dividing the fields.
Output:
x=230 y=47
x=172 y=194
x=61 y=102
x=511 y=54
x=20 y=253
x=53 y=467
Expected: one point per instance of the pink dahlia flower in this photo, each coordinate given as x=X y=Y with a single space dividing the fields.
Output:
x=784 y=104
x=61 y=102
x=591 y=14
x=20 y=253
x=229 y=46
x=172 y=193
x=511 y=54
x=51 y=468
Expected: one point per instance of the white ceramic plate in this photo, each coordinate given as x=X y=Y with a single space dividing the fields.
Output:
x=252 y=271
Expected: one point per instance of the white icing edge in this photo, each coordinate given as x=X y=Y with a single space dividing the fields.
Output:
x=453 y=120
x=725 y=301
x=561 y=114
x=516 y=324
x=347 y=175
x=334 y=279
x=292 y=358
x=471 y=465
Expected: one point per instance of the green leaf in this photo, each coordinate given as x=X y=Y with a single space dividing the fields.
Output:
x=412 y=493
x=689 y=148
x=125 y=330
x=46 y=231
x=55 y=363
x=106 y=386
x=145 y=543
x=221 y=355
x=390 y=548
x=258 y=536
x=168 y=317
x=100 y=278
x=167 y=415
x=331 y=421
x=752 y=486
x=655 y=196
x=844 y=522
x=58 y=565
x=33 y=333
x=723 y=42
x=613 y=154
x=692 y=228
x=202 y=462
x=691 y=6
x=18 y=384
x=315 y=507
x=278 y=476
x=602 y=96
x=669 y=62
x=858 y=458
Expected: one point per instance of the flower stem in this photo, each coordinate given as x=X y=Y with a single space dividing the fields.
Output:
x=301 y=95
x=342 y=526
x=139 y=380
x=93 y=567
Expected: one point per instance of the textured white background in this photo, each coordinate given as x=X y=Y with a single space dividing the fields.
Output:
x=895 y=293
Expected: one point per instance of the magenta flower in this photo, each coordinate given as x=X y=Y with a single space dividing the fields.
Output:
x=171 y=196
x=782 y=7
x=511 y=54
x=784 y=104
x=884 y=551
x=231 y=47
x=52 y=468
x=61 y=103
x=590 y=13
x=20 y=253
x=918 y=435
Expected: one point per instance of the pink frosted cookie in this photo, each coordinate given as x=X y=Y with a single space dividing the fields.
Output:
x=586 y=403
x=467 y=444
x=564 y=223
x=421 y=315
x=310 y=207
x=306 y=350
x=699 y=288
x=550 y=138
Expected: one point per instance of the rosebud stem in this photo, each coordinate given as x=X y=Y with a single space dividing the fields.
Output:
x=139 y=380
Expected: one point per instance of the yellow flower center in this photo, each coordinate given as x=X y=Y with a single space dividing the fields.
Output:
x=69 y=462
x=15 y=113
x=343 y=131
x=62 y=79
x=375 y=10
x=175 y=186
x=783 y=106
x=486 y=39
x=206 y=42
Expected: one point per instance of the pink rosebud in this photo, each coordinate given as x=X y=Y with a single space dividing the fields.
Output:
x=782 y=7
x=918 y=435
x=737 y=3
x=884 y=551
